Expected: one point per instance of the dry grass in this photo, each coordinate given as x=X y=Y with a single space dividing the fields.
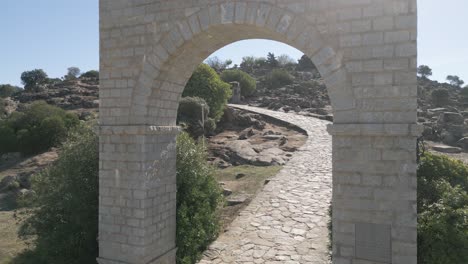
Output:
x=10 y=244
x=249 y=186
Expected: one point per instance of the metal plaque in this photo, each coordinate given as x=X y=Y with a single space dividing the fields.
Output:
x=373 y=242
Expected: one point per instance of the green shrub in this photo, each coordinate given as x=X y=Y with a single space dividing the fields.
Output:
x=38 y=128
x=90 y=74
x=442 y=210
x=198 y=198
x=278 y=78
x=63 y=220
x=191 y=108
x=7 y=90
x=205 y=83
x=247 y=83
x=8 y=140
x=440 y=97
x=189 y=116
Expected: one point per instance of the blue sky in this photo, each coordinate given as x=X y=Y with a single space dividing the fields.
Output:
x=56 y=34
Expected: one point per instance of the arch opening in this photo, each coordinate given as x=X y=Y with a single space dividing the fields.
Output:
x=167 y=70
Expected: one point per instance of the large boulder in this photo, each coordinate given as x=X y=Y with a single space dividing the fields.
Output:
x=446 y=149
x=463 y=143
x=451 y=118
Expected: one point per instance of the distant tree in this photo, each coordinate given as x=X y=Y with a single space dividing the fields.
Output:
x=217 y=64
x=32 y=80
x=278 y=78
x=7 y=90
x=285 y=60
x=305 y=64
x=271 y=60
x=261 y=62
x=455 y=80
x=90 y=74
x=73 y=73
x=248 y=64
x=424 y=71
x=247 y=83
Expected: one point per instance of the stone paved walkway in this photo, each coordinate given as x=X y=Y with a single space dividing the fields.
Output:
x=287 y=221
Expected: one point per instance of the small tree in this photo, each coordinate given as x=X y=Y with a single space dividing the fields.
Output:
x=271 y=60
x=305 y=64
x=7 y=90
x=440 y=97
x=247 y=83
x=248 y=64
x=91 y=75
x=285 y=60
x=424 y=71
x=206 y=83
x=63 y=220
x=198 y=198
x=73 y=73
x=32 y=80
x=217 y=64
x=455 y=80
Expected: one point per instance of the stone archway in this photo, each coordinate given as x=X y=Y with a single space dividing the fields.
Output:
x=366 y=52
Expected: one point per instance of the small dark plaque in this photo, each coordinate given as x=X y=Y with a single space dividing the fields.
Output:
x=373 y=242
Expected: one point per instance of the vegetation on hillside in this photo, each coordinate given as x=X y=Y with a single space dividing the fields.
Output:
x=62 y=219
x=63 y=215
x=39 y=127
x=247 y=83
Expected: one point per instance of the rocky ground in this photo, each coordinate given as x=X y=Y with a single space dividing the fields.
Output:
x=307 y=95
x=252 y=139
x=80 y=96
x=445 y=122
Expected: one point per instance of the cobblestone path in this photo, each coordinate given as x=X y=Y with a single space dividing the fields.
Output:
x=287 y=221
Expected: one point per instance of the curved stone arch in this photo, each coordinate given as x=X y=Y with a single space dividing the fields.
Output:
x=169 y=63
x=365 y=49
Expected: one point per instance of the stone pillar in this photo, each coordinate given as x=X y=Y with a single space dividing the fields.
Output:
x=374 y=193
x=236 y=93
x=137 y=194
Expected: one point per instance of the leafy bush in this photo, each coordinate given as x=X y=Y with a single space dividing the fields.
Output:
x=8 y=140
x=440 y=97
x=190 y=116
x=278 y=78
x=7 y=90
x=63 y=220
x=205 y=83
x=443 y=210
x=38 y=128
x=247 y=83
x=191 y=108
x=248 y=64
x=33 y=80
x=90 y=74
x=198 y=198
